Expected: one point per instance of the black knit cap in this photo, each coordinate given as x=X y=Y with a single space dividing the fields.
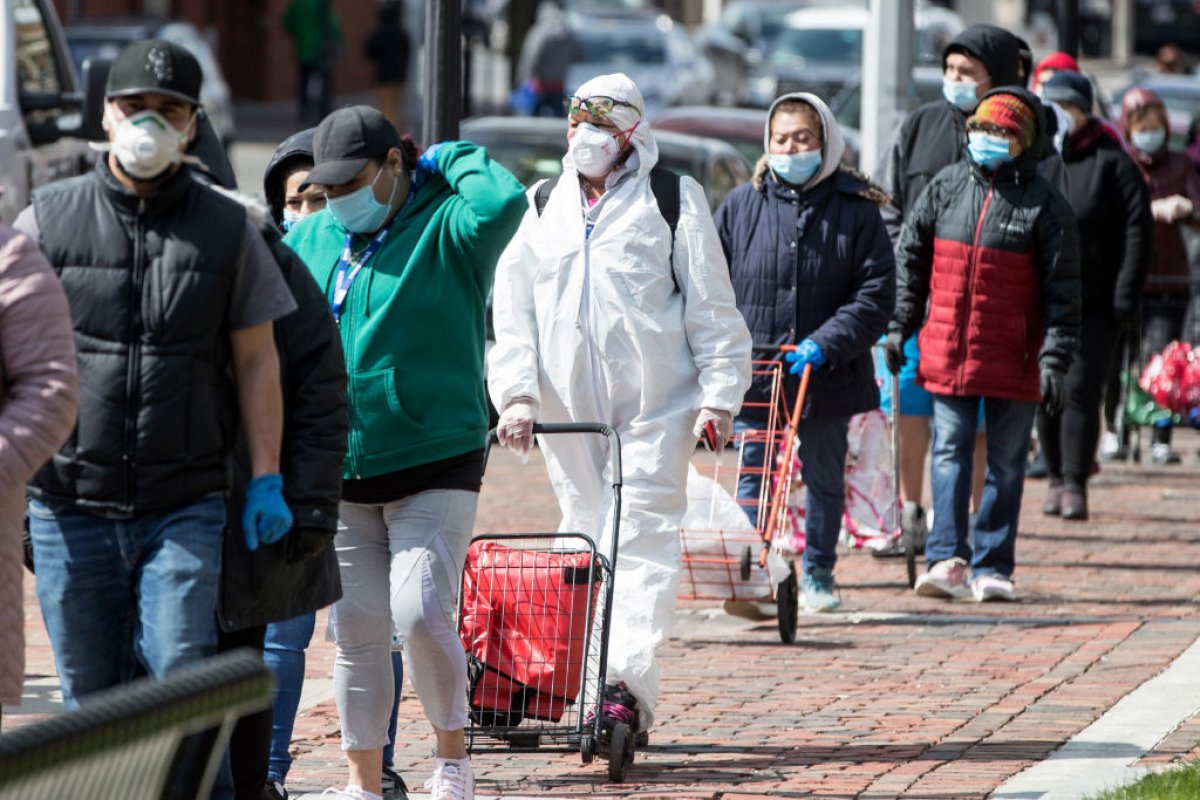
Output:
x=155 y=65
x=346 y=140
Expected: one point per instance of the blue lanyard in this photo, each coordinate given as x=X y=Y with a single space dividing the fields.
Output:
x=348 y=269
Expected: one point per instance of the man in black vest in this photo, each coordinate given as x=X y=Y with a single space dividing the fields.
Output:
x=173 y=294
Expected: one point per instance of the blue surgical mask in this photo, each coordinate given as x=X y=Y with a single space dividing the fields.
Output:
x=961 y=95
x=986 y=150
x=359 y=211
x=796 y=168
x=1149 y=141
x=290 y=218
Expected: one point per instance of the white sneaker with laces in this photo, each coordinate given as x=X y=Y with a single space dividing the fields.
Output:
x=993 y=587
x=452 y=780
x=349 y=793
x=944 y=579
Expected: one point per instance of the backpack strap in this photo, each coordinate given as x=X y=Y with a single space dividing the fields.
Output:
x=542 y=195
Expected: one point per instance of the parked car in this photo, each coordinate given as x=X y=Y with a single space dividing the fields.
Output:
x=820 y=50
x=735 y=43
x=1180 y=94
x=41 y=114
x=741 y=127
x=532 y=148
x=654 y=51
x=105 y=37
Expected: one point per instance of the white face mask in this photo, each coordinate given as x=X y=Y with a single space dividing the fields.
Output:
x=593 y=151
x=145 y=144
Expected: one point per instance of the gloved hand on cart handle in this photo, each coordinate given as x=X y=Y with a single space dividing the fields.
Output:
x=807 y=352
x=1054 y=391
x=893 y=352
x=722 y=422
x=515 y=428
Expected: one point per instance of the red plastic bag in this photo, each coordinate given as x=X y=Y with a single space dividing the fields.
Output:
x=1171 y=378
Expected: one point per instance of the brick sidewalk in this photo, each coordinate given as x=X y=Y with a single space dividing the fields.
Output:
x=897 y=696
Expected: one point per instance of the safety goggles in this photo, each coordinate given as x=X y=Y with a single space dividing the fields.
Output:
x=597 y=105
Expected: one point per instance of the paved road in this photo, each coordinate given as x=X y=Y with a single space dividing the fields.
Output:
x=896 y=696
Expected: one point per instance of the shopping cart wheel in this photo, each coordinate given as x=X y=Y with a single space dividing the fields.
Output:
x=787 y=601
x=587 y=748
x=620 y=751
x=744 y=566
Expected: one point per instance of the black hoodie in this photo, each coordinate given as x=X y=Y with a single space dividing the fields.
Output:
x=934 y=136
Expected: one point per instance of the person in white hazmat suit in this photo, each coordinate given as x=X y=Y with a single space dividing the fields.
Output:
x=600 y=318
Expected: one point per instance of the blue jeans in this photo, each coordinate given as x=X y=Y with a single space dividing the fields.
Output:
x=283 y=653
x=116 y=593
x=1008 y=425
x=823 y=454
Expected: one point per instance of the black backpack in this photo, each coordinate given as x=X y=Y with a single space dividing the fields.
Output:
x=663 y=182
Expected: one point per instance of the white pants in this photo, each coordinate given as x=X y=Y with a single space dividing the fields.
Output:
x=401 y=564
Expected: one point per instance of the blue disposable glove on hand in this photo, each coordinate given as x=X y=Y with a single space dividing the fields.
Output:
x=266 y=517
x=807 y=352
x=427 y=163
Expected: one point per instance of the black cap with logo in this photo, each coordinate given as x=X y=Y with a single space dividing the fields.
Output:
x=346 y=140
x=155 y=65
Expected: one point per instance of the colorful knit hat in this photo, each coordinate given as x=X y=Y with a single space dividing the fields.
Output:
x=1009 y=112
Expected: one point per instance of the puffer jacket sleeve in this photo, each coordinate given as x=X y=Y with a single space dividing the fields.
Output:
x=315 y=372
x=513 y=362
x=914 y=260
x=717 y=333
x=1056 y=238
x=864 y=317
x=891 y=178
x=37 y=345
x=1139 y=234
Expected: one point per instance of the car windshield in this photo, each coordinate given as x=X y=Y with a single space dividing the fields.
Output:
x=797 y=46
x=627 y=46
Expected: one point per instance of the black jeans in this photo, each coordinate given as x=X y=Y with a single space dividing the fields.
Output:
x=1069 y=440
x=250 y=742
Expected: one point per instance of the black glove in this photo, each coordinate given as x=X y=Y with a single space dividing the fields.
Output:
x=1054 y=391
x=303 y=543
x=893 y=352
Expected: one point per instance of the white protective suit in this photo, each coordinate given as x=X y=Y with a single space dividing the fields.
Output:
x=595 y=330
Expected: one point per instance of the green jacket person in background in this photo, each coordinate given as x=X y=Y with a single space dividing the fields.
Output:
x=405 y=251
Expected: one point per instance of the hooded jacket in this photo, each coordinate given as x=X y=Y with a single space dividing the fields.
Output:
x=813 y=262
x=997 y=257
x=296 y=149
x=1168 y=173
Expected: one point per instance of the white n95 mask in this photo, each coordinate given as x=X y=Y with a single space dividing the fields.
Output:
x=145 y=144
x=593 y=151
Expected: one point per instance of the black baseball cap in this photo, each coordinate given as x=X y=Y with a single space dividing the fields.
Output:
x=346 y=140
x=155 y=65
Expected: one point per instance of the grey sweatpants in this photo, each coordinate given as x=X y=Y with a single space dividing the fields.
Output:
x=401 y=564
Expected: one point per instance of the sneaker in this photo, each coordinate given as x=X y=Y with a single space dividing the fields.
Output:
x=1161 y=453
x=393 y=785
x=349 y=793
x=944 y=579
x=451 y=780
x=993 y=587
x=914 y=525
x=817 y=590
x=273 y=790
x=1110 y=447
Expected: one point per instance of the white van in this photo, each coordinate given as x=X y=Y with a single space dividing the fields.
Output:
x=41 y=108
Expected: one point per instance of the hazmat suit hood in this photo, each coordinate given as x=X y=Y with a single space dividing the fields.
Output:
x=833 y=143
x=620 y=86
x=996 y=48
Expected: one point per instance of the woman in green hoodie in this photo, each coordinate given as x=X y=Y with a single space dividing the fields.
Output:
x=405 y=252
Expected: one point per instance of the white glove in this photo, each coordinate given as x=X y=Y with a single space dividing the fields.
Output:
x=515 y=428
x=1171 y=209
x=722 y=422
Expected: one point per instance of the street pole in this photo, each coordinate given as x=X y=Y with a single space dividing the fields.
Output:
x=887 y=71
x=1122 y=32
x=1068 y=27
x=443 y=71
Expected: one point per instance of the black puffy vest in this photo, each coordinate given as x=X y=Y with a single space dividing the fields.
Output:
x=149 y=282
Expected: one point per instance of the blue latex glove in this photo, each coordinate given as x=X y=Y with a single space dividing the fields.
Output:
x=427 y=163
x=807 y=352
x=266 y=517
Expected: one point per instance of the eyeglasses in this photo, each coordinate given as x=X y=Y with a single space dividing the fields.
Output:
x=597 y=105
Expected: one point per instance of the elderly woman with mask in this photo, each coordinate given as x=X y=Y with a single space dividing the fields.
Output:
x=812 y=265
x=605 y=314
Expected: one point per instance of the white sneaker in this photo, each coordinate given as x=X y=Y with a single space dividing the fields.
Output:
x=944 y=579
x=1110 y=445
x=452 y=780
x=349 y=793
x=993 y=587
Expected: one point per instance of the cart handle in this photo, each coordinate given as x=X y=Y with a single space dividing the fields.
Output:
x=614 y=441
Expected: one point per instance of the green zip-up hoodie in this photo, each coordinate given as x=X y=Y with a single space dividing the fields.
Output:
x=413 y=322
